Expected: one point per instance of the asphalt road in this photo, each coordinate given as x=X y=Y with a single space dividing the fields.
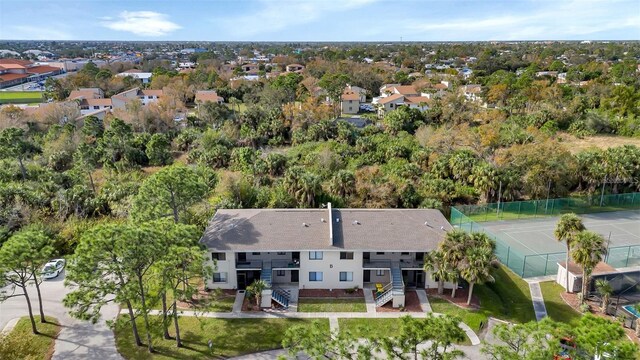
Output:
x=77 y=339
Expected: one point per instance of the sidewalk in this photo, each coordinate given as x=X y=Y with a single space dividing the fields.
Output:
x=537 y=299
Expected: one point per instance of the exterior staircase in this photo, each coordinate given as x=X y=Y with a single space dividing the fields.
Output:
x=266 y=273
x=281 y=297
x=395 y=287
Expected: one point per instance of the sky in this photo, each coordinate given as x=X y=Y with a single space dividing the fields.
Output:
x=320 y=20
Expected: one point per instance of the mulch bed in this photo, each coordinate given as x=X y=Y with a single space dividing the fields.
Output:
x=411 y=303
x=249 y=305
x=460 y=300
x=204 y=294
x=335 y=293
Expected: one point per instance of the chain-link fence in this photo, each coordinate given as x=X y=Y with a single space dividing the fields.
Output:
x=470 y=217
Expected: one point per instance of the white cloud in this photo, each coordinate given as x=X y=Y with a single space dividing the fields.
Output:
x=27 y=32
x=142 y=23
x=575 y=19
x=272 y=16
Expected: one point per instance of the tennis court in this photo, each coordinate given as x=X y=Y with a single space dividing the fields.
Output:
x=530 y=244
x=535 y=236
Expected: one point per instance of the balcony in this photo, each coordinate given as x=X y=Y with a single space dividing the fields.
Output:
x=411 y=264
x=285 y=264
x=249 y=265
x=377 y=264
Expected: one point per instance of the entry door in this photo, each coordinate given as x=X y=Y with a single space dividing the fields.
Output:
x=295 y=276
x=242 y=281
x=419 y=279
x=366 y=276
x=242 y=257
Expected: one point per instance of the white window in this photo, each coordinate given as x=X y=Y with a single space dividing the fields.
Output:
x=218 y=256
x=346 y=255
x=220 y=277
x=315 y=276
x=279 y=272
x=346 y=276
x=315 y=255
x=379 y=272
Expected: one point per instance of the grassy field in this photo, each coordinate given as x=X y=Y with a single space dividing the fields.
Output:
x=557 y=309
x=21 y=343
x=508 y=299
x=575 y=145
x=331 y=305
x=20 y=97
x=231 y=337
x=380 y=328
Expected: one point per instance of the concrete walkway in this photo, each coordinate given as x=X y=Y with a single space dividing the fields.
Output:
x=538 y=300
x=369 y=301
x=333 y=325
x=9 y=327
x=237 y=304
x=424 y=300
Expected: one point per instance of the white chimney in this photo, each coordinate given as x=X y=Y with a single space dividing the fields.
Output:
x=330 y=224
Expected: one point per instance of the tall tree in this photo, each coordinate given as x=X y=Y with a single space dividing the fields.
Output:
x=605 y=290
x=168 y=193
x=588 y=250
x=566 y=230
x=14 y=143
x=108 y=266
x=334 y=84
x=21 y=258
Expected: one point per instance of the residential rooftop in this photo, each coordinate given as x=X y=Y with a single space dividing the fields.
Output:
x=391 y=230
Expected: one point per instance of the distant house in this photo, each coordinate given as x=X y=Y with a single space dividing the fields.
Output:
x=145 y=77
x=146 y=97
x=203 y=96
x=294 y=68
x=393 y=96
x=350 y=103
x=472 y=92
x=250 y=69
x=90 y=100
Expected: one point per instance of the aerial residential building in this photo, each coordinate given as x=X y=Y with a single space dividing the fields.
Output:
x=472 y=92
x=294 y=68
x=324 y=249
x=393 y=96
x=146 y=97
x=202 y=96
x=145 y=77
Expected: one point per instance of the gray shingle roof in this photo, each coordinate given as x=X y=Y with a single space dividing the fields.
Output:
x=246 y=230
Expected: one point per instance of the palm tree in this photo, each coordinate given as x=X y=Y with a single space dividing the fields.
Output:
x=452 y=249
x=483 y=177
x=308 y=188
x=479 y=258
x=233 y=102
x=343 y=183
x=435 y=264
x=566 y=230
x=256 y=289
x=589 y=249
x=605 y=290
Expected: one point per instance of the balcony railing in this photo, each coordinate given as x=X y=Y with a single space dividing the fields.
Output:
x=254 y=264
x=411 y=264
x=377 y=264
x=285 y=264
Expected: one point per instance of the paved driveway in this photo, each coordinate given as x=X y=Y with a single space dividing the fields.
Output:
x=78 y=339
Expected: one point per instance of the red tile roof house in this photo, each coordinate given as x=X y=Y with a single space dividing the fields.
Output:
x=15 y=72
x=294 y=68
x=393 y=96
x=205 y=96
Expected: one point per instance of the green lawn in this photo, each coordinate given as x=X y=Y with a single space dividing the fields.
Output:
x=231 y=337
x=507 y=299
x=557 y=309
x=331 y=305
x=20 y=97
x=21 y=343
x=380 y=328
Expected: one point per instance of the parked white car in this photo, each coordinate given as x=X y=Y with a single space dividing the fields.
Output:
x=53 y=268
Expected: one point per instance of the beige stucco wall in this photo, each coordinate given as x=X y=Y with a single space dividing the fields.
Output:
x=331 y=265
